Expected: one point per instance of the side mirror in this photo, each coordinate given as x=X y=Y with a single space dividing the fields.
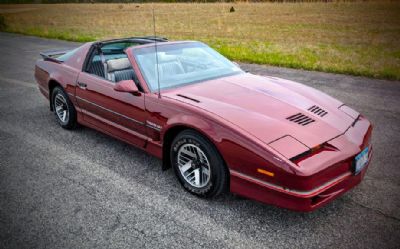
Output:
x=127 y=86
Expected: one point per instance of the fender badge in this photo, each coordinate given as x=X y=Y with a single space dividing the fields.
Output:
x=153 y=125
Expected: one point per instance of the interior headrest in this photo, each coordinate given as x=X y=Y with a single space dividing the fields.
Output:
x=165 y=58
x=118 y=64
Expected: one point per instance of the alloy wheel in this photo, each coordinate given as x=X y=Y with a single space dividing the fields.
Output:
x=194 y=165
x=61 y=108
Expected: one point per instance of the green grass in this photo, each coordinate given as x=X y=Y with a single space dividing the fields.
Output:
x=357 y=38
x=53 y=34
x=316 y=59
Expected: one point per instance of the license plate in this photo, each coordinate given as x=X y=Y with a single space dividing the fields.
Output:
x=360 y=161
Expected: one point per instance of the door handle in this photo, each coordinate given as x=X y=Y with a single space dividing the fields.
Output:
x=82 y=85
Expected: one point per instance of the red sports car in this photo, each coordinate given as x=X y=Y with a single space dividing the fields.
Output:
x=218 y=127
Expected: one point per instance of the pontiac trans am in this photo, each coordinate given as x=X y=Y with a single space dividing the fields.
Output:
x=220 y=128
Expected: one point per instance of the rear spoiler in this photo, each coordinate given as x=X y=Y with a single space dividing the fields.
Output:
x=53 y=55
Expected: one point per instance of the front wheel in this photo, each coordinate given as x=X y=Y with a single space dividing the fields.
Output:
x=198 y=165
x=63 y=108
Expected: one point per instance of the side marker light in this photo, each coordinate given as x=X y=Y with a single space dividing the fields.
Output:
x=265 y=172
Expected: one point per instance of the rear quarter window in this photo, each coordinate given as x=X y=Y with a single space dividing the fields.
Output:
x=67 y=55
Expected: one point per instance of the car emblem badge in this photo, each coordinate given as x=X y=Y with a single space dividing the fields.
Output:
x=153 y=125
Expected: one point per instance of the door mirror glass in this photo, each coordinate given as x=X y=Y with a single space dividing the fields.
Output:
x=127 y=86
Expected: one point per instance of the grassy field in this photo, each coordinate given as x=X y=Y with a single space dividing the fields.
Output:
x=359 y=38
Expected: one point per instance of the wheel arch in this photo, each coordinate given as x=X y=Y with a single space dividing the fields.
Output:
x=173 y=131
x=51 y=85
x=168 y=137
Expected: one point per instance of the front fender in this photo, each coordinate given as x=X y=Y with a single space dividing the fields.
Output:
x=201 y=125
x=240 y=153
x=240 y=150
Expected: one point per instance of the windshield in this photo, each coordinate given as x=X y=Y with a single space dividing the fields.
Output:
x=182 y=64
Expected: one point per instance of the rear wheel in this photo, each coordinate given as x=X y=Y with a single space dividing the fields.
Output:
x=198 y=165
x=63 y=108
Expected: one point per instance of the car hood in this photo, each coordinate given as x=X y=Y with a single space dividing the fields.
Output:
x=262 y=105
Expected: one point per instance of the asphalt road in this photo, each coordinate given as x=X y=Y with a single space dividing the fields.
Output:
x=83 y=189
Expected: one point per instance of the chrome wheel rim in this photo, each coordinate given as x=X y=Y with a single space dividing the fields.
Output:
x=61 y=108
x=193 y=165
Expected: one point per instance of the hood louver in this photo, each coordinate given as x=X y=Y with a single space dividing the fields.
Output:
x=300 y=119
x=317 y=110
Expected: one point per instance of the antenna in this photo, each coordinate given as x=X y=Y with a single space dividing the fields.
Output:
x=155 y=46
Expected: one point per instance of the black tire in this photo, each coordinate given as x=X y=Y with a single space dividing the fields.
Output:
x=70 y=122
x=218 y=178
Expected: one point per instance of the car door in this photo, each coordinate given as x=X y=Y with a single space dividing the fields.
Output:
x=119 y=113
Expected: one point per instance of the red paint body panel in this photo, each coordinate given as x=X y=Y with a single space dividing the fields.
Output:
x=245 y=116
x=119 y=113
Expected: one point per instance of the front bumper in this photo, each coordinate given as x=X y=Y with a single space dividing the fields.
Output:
x=302 y=201
x=319 y=187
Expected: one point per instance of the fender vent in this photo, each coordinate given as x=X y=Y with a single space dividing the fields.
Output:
x=317 y=110
x=300 y=119
x=189 y=98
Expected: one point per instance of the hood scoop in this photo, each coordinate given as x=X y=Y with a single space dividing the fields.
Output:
x=300 y=119
x=317 y=110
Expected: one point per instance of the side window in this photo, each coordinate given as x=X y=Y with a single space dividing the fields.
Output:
x=112 y=63
x=121 y=69
x=96 y=66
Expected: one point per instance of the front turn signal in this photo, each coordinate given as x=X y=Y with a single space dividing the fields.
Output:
x=266 y=172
